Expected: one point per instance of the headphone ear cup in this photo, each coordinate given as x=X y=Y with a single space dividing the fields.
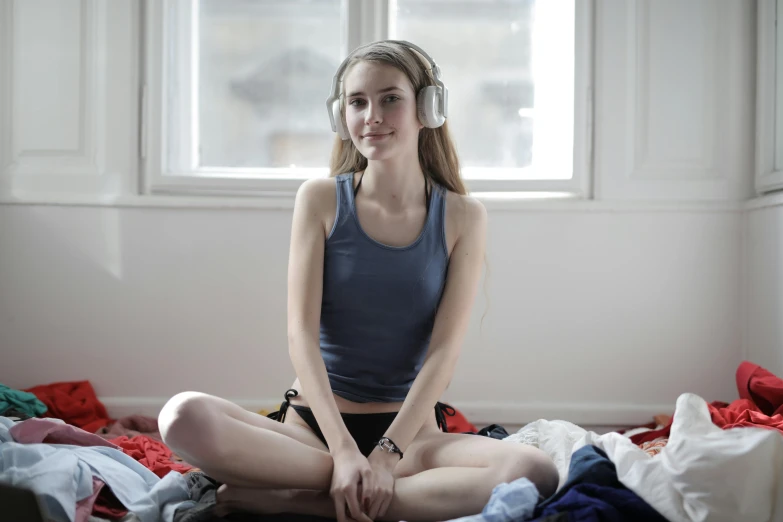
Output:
x=339 y=123
x=427 y=106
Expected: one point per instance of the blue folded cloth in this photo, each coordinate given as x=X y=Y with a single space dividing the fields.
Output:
x=509 y=502
x=61 y=475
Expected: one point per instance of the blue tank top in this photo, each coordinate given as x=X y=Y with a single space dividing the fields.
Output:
x=379 y=302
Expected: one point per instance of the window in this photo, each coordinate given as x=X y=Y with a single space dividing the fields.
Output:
x=236 y=89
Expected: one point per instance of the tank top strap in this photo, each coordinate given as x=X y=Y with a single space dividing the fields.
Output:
x=438 y=210
x=344 y=196
x=437 y=199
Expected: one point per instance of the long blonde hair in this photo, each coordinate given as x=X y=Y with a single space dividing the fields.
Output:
x=437 y=155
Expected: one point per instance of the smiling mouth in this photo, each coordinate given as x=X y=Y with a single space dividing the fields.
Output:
x=375 y=137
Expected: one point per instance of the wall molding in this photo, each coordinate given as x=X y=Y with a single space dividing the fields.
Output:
x=68 y=96
x=85 y=156
x=643 y=162
x=767 y=176
x=655 y=139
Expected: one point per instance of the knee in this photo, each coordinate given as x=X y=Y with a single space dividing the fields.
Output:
x=536 y=466
x=184 y=420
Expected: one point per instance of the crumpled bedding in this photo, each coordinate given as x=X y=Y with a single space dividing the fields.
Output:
x=704 y=473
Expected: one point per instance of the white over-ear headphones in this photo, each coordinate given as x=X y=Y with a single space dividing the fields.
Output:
x=431 y=101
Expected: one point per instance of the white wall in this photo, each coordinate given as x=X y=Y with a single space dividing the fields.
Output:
x=763 y=290
x=596 y=315
x=600 y=312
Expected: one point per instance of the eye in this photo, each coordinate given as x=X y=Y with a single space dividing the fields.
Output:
x=356 y=102
x=392 y=98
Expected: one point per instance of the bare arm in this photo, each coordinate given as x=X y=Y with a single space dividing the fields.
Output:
x=449 y=329
x=305 y=288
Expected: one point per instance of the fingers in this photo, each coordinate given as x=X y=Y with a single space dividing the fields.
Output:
x=339 y=509
x=339 y=506
x=384 y=506
x=386 y=501
x=380 y=505
x=380 y=501
x=352 y=499
x=367 y=490
x=374 y=509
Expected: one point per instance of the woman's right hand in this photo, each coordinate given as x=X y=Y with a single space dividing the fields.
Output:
x=351 y=470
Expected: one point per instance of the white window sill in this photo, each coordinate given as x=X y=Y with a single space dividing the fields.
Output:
x=520 y=201
x=774 y=199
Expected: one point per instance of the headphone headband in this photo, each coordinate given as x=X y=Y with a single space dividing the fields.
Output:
x=335 y=94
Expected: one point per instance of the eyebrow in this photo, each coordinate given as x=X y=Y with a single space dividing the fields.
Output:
x=387 y=89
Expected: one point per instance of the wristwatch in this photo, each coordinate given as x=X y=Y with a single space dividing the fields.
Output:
x=386 y=444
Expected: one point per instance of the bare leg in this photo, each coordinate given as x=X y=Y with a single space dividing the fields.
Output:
x=442 y=476
x=242 y=448
x=436 y=494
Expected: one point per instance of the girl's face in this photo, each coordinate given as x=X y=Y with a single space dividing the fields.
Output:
x=380 y=111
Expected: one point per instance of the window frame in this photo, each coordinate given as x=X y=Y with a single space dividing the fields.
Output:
x=363 y=22
x=769 y=108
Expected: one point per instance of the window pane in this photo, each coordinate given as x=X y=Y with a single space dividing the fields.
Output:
x=265 y=70
x=509 y=68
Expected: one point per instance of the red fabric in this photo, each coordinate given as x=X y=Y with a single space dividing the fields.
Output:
x=744 y=412
x=459 y=424
x=761 y=387
x=760 y=405
x=151 y=454
x=131 y=426
x=107 y=505
x=73 y=402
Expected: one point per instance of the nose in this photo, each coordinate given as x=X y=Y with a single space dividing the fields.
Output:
x=373 y=114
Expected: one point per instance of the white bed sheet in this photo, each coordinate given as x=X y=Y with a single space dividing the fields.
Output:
x=704 y=473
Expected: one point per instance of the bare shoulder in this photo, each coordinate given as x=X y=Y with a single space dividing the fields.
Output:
x=464 y=215
x=316 y=200
x=316 y=193
x=474 y=209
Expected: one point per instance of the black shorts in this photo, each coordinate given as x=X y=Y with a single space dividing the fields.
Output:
x=365 y=428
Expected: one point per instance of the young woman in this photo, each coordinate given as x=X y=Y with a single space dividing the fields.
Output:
x=384 y=264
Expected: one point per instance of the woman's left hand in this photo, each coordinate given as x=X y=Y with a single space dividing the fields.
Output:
x=377 y=496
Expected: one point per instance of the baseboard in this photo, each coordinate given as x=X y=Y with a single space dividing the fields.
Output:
x=582 y=414
x=118 y=407
x=588 y=415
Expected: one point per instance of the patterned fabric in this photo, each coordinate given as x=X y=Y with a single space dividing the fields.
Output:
x=654 y=447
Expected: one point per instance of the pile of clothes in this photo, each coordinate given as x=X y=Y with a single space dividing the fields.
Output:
x=708 y=462
x=58 y=441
